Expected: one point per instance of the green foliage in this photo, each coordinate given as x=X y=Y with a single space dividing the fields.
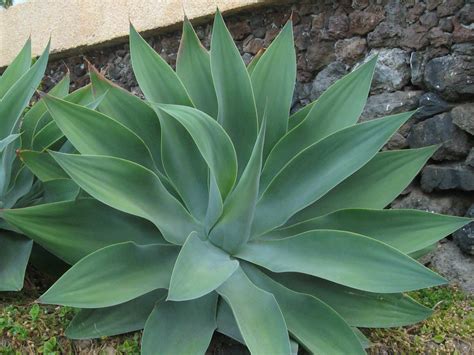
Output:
x=17 y=85
x=449 y=331
x=23 y=128
x=251 y=227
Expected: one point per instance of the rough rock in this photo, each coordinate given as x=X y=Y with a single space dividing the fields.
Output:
x=417 y=67
x=449 y=7
x=390 y=103
x=452 y=76
x=350 y=50
x=386 y=34
x=447 y=176
x=464 y=237
x=457 y=267
x=415 y=12
x=338 y=26
x=397 y=141
x=462 y=33
x=466 y=14
x=414 y=37
x=362 y=22
x=318 y=55
x=463 y=117
x=446 y=24
x=326 y=78
x=253 y=45
x=392 y=71
x=432 y=4
x=470 y=158
x=451 y=203
x=430 y=104
x=437 y=37
x=429 y=19
x=440 y=130
x=240 y=29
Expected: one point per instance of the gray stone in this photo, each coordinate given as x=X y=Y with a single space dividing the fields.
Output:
x=463 y=117
x=466 y=15
x=326 y=78
x=414 y=37
x=397 y=141
x=350 y=50
x=470 y=158
x=253 y=45
x=432 y=4
x=392 y=71
x=452 y=76
x=440 y=130
x=429 y=19
x=447 y=177
x=362 y=22
x=438 y=38
x=466 y=49
x=386 y=34
x=338 y=26
x=449 y=7
x=318 y=55
x=446 y=24
x=457 y=267
x=464 y=237
x=451 y=203
x=390 y=103
x=430 y=105
x=417 y=67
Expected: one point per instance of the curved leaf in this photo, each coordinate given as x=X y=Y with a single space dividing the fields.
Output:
x=345 y=258
x=212 y=141
x=374 y=185
x=15 y=251
x=319 y=168
x=42 y=165
x=405 y=230
x=338 y=107
x=193 y=323
x=233 y=228
x=237 y=111
x=298 y=117
x=113 y=275
x=193 y=66
x=73 y=229
x=312 y=322
x=7 y=140
x=130 y=111
x=273 y=81
x=200 y=268
x=158 y=81
x=130 y=188
x=358 y=308
x=123 y=318
x=92 y=132
x=16 y=98
x=16 y=69
x=257 y=314
x=35 y=114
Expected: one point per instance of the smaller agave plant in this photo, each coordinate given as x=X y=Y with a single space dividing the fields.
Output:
x=234 y=216
x=17 y=188
x=26 y=131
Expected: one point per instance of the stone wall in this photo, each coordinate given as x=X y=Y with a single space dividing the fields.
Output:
x=426 y=60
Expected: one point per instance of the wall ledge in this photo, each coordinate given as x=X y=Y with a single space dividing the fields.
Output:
x=74 y=25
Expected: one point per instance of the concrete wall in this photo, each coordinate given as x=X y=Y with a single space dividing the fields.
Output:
x=73 y=24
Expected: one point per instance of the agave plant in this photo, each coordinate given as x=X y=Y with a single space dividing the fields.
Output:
x=230 y=214
x=22 y=130
x=17 y=85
